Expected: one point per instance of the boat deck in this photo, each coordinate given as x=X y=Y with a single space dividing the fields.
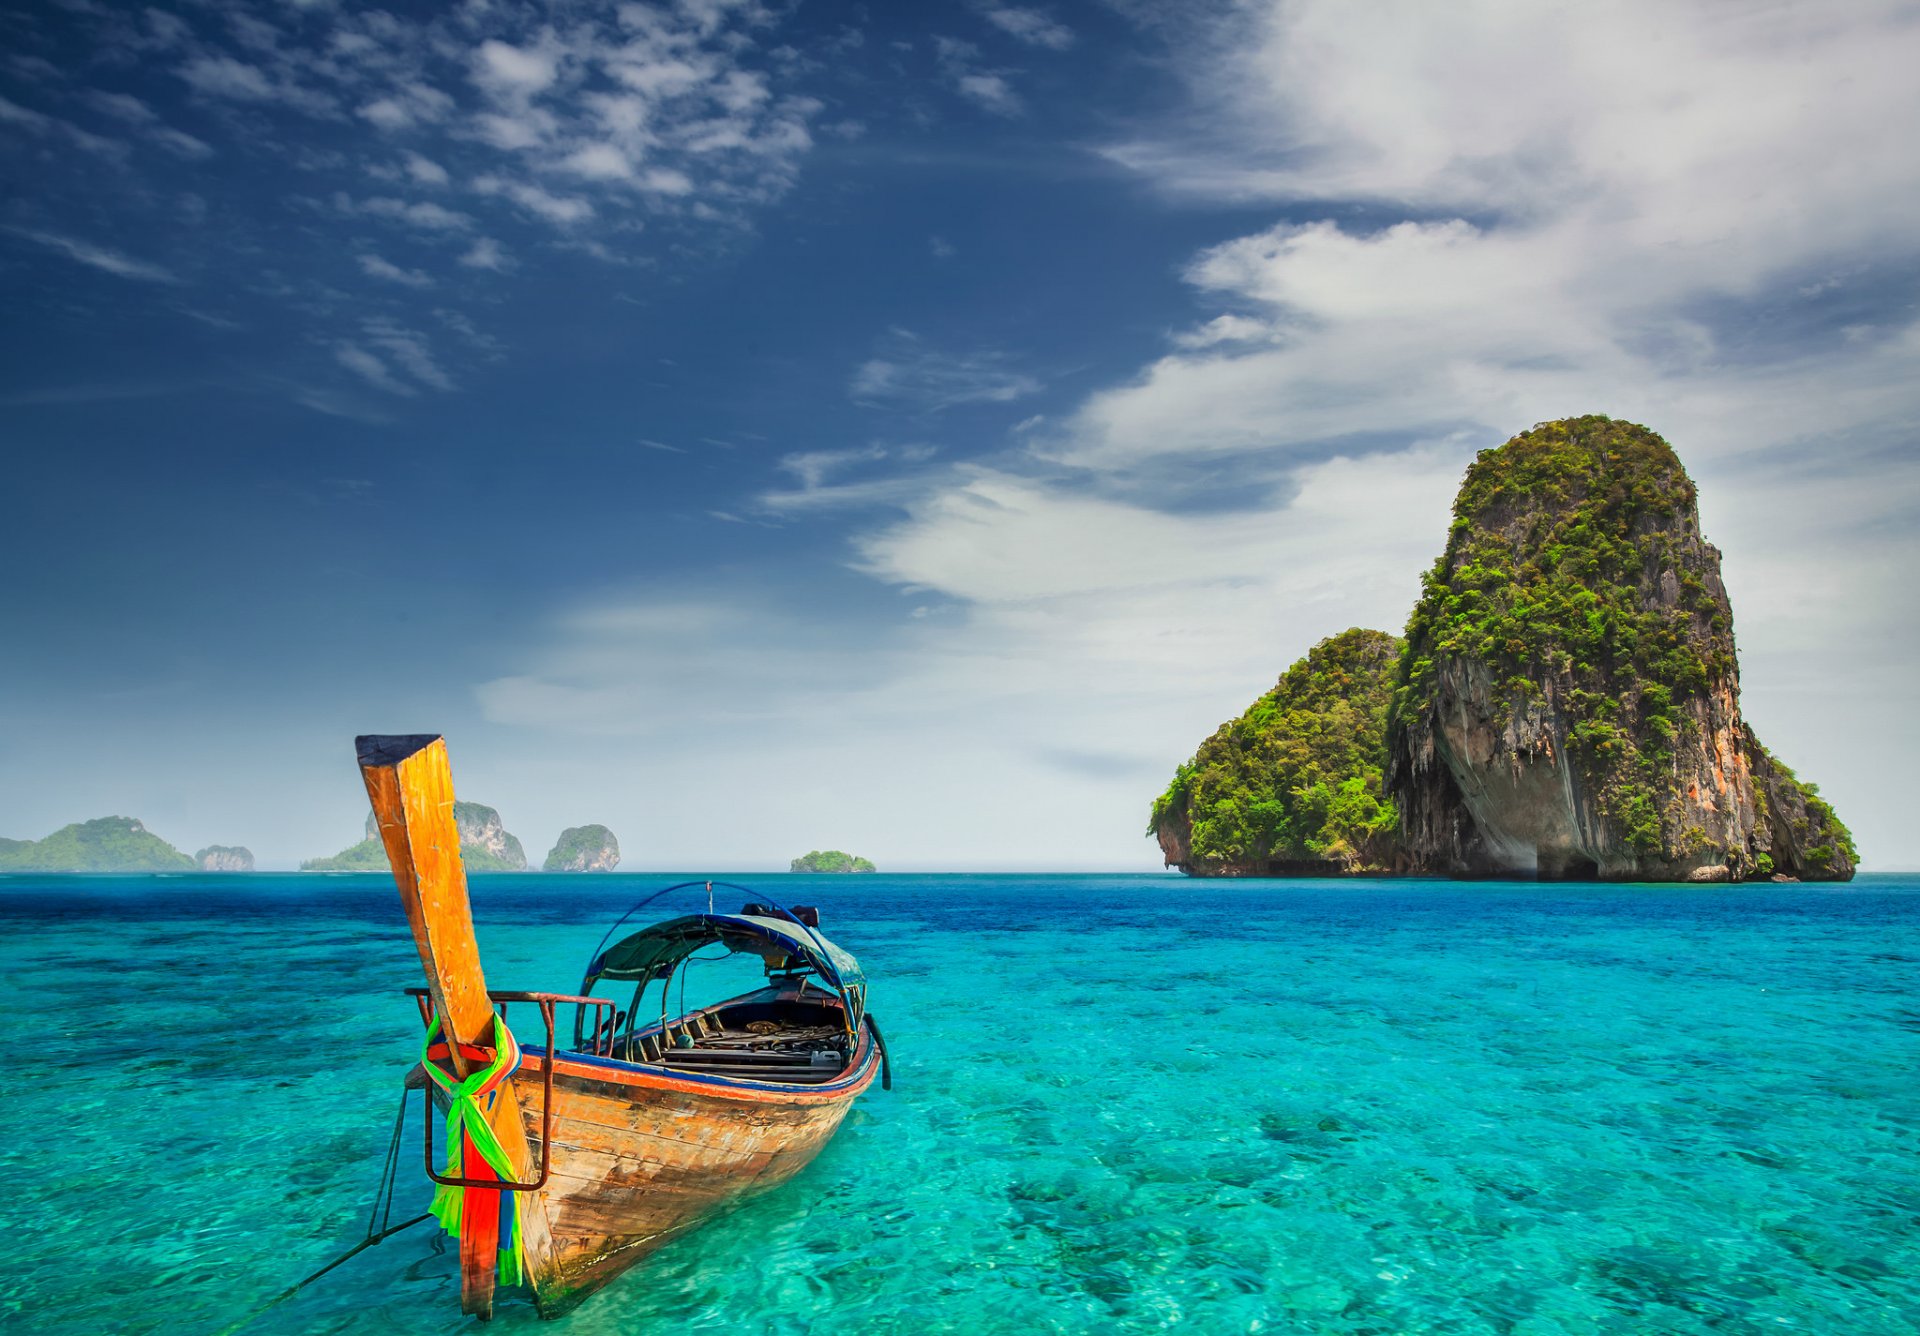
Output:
x=790 y=1041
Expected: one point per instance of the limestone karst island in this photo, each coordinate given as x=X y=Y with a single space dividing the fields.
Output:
x=1565 y=704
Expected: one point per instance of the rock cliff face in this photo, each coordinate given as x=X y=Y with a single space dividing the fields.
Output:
x=1568 y=702
x=485 y=845
x=1293 y=787
x=224 y=858
x=584 y=849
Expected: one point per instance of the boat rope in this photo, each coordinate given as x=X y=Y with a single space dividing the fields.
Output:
x=377 y=1227
x=473 y=1151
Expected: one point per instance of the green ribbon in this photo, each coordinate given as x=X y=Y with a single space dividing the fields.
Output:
x=467 y=1125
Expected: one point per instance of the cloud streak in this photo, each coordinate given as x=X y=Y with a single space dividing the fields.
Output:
x=100 y=257
x=909 y=375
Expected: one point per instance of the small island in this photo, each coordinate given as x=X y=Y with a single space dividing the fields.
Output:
x=830 y=860
x=584 y=849
x=224 y=858
x=485 y=846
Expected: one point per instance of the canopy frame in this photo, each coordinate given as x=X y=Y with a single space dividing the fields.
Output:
x=789 y=945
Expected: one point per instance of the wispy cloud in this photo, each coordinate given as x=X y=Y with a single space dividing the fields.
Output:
x=372 y=370
x=388 y=271
x=486 y=253
x=844 y=480
x=99 y=257
x=564 y=210
x=411 y=350
x=427 y=215
x=989 y=89
x=131 y=111
x=40 y=123
x=1033 y=26
x=910 y=375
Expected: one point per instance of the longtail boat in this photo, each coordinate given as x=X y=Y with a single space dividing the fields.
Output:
x=566 y=1166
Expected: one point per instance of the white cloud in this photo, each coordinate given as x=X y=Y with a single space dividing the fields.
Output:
x=910 y=375
x=99 y=257
x=681 y=112
x=376 y=267
x=598 y=162
x=223 y=76
x=424 y=214
x=409 y=349
x=512 y=71
x=425 y=171
x=989 y=89
x=122 y=107
x=1033 y=26
x=179 y=142
x=370 y=369
x=486 y=253
x=561 y=209
x=39 y=123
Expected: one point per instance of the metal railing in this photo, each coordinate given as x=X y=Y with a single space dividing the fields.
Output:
x=546 y=1002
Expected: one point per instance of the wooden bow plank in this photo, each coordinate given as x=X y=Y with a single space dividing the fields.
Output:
x=410 y=784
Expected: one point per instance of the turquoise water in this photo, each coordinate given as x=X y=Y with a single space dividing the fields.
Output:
x=1121 y=1104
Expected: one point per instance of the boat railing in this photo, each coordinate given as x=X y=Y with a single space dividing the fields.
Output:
x=602 y=1045
x=595 y=1038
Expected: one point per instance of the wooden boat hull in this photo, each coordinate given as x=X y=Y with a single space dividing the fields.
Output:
x=639 y=1155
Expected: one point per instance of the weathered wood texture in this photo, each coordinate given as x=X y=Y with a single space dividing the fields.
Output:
x=641 y=1157
x=410 y=784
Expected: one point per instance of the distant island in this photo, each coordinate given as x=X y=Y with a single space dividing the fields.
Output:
x=104 y=844
x=224 y=858
x=584 y=849
x=1565 y=705
x=830 y=860
x=485 y=846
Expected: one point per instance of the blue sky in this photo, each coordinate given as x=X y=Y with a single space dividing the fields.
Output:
x=908 y=429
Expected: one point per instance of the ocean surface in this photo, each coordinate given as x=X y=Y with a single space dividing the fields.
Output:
x=1121 y=1104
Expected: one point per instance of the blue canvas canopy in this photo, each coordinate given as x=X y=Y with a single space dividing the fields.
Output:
x=654 y=952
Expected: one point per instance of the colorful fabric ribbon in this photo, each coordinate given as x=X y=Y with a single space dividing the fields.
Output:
x=473 y=1151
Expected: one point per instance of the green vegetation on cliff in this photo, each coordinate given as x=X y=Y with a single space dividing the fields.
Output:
x=105 y=844
x=830 y=860
x=1298 y=778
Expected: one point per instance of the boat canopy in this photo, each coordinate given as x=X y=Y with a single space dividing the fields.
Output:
x=653 y=953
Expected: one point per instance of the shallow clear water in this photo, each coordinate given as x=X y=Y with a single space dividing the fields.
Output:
x=1121 y=1104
